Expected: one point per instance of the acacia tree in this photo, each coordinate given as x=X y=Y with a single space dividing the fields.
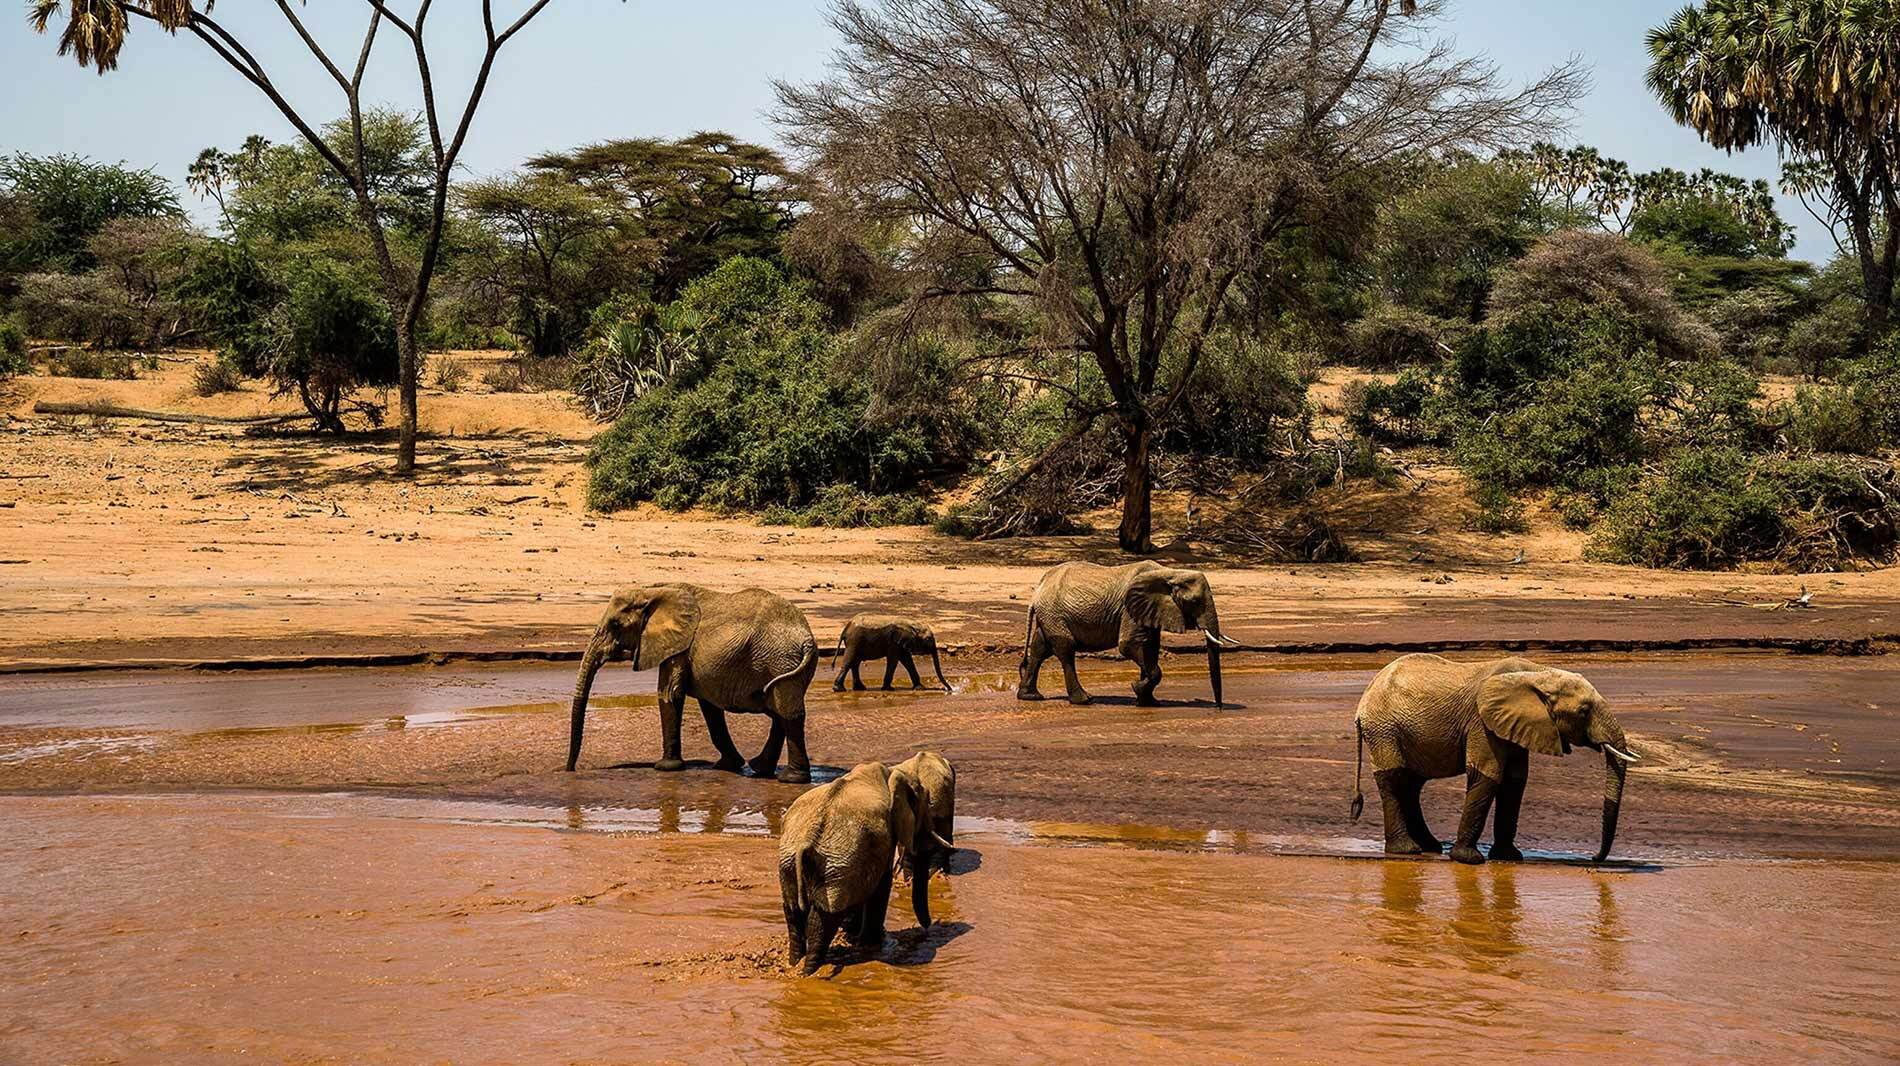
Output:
x=1121 y=163
x=557 y=256
x=1816 y=78
x=95 y=32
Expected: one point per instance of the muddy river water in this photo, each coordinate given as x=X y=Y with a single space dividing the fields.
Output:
x=273 y=869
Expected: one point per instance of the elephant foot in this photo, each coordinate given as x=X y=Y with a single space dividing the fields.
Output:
x=1506 y=853
x=1081 y=699
x=1028 y=695
x=1432 y=846
x=857 y=686
x=838 y=687
x=1467 y=854
x=670 y=765
x=1146 y=699
x=1407 y=846
x=789 y=776
x=731 y=764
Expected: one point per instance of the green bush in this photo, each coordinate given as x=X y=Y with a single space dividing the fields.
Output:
x=1396 y=410
x=1498 y=510
x=448 y=373
x=13 y=357
x=1819 y=342
x=1821 y=418
x=763 y=419
x=1712 y=508
x=1247 y=396
x=1875 y=381
x=1710 y=402
x=332 y=334
x=1604 y=271
x=848 y=507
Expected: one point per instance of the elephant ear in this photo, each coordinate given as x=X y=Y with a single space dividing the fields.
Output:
x=1514 y=707
x=672 y=619
x=1150 y=600
x=908 y=808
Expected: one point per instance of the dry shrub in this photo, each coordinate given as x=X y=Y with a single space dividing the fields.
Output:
x=214 y=376
x=449 y=373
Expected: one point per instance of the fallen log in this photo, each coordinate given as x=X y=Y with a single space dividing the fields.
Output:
x=106 y=410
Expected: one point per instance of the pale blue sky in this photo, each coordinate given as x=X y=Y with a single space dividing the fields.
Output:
x=593 y=69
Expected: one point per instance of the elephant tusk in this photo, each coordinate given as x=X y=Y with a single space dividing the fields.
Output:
x=941 y=842
x=1220 y=640
x=1621 y=754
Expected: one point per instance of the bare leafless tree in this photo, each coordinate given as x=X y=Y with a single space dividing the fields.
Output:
x=1121 y=163
x=95 y=31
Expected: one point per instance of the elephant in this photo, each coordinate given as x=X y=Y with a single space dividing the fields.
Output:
x=1427 y=717
x=1086 y=607
x=837 y=855
x=939 y=781
x=892 y=638
x=748 y=651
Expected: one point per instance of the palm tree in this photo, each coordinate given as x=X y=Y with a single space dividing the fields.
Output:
x=1817 y=78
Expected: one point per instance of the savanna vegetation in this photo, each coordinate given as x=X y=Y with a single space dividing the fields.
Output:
x=1052 y=258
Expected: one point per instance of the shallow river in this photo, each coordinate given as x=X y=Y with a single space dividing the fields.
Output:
x=447 y=920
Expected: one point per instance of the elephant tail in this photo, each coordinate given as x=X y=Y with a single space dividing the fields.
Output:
x=1029 y=633
x=838 y=649
x=805 y=662
x=807 y=870
x=1358 y=758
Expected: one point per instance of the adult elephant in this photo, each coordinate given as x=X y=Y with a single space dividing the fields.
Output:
x=1427 y=717
x=747 y=651
x=1086 y=607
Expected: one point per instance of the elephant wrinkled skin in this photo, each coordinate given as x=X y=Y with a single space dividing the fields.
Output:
x=748 y=651
x=838 y=851
x=892 y=638
x=1427 y=717
x=1086 y=607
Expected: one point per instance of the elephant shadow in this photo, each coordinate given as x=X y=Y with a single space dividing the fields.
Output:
x=904 y=948
x=963 y=860
x=1159 y=704
x=819 y=774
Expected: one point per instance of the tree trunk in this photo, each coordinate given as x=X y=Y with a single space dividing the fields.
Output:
x=1137 y=489
x=411 y=358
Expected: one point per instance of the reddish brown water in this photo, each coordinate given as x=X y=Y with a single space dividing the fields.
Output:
x=339 y=928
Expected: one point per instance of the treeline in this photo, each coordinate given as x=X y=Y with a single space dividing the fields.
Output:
x=1004 y=261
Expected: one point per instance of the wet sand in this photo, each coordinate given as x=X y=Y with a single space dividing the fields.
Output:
x=340 y=928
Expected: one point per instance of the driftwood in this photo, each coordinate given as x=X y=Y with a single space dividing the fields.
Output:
x=106 y=410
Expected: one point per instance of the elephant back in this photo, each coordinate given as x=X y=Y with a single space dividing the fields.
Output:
x=847 y=824
x=746 y=639
x=1082 y=602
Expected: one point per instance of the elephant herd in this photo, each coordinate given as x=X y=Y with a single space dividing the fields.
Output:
x=1424 y=717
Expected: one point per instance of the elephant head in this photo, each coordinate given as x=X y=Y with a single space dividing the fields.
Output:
x=1550 y=711
x=653 y=622
x=917 y=841
x=1178 y=601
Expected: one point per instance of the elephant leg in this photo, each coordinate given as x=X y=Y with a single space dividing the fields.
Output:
x=871 y=932
x=847 y=665
x=1479 y=791
x=671 y=707
x=729 y=758
x=795 y=916
x=1077 y=694
x=767 y=762
x=890 y=670
x=1517 y=773
x=797 y=761
x=1033 y=657
x=1394 y=785
x=819 y=945
x=857 y=678
x=1414 y=813
x=1148 y=657
x=910 y=667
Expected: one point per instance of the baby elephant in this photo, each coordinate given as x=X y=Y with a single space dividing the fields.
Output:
x=839 y=848
x=892 y=638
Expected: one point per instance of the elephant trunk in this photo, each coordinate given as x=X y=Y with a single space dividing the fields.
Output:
x=1609 y=736
x=598 y=648
x=920 y=892
x=937 y=665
